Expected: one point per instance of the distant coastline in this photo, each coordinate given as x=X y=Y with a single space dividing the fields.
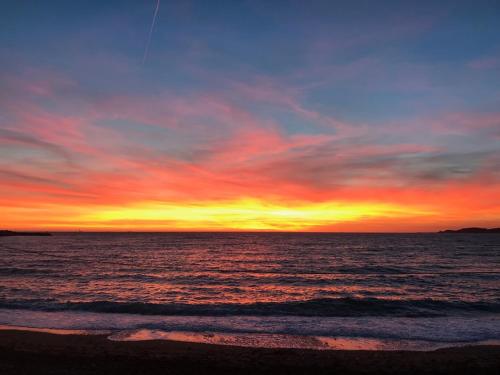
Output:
x=472 y=230
x=9 y=233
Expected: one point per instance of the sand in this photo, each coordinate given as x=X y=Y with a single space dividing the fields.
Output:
x=23 y=352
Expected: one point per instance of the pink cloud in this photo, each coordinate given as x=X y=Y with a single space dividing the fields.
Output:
x=485 y=63
x=228 y=150
x=461 y=122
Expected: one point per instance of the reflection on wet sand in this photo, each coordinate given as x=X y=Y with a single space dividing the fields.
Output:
x=53 y=331
x=282 y=341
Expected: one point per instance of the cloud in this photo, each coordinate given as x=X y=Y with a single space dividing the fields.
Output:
x=485 y=63
x=122 y=149
x=34 y=181
x=13 y=137
x=323 y=170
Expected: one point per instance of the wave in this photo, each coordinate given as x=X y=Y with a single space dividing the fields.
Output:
x=324 y=307
x=12 y=271
x=458 y=329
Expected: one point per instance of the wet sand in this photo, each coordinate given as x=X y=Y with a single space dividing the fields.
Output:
x=23 y=352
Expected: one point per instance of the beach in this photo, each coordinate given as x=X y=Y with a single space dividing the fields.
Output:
x=431 y=291
x=23 y=352
x=249 y=303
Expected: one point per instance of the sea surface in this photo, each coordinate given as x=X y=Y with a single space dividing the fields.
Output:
x=312 y=290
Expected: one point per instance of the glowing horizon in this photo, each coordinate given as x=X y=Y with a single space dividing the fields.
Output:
x=235 y=215
x=249 y=117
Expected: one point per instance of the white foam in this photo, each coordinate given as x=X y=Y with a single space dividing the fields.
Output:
x=281 y=341
x=374 y=333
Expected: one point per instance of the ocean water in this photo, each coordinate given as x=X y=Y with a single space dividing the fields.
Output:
x=317 y=290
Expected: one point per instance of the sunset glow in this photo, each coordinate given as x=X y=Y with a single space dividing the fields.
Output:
x=233 y=215
x=248 y=118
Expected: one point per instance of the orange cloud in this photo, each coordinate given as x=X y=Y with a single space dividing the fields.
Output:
x=204 y=162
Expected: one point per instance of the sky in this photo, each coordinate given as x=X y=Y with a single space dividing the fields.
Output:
x=249 y=115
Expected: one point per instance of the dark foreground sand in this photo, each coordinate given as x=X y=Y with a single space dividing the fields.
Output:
x=24 y=352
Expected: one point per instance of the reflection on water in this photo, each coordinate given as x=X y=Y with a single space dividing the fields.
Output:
x=356 y=291
x=241 y=268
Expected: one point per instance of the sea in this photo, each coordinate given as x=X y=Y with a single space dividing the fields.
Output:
x=298 y=290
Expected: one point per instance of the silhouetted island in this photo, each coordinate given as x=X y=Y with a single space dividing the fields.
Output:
x=472 y=230
x=9 y=233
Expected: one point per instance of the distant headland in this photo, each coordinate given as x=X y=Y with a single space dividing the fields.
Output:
x=9 y=233
x=472 y=230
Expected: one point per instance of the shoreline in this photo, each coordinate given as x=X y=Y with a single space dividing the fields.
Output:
x=31 y=352
x=319 y=333
x=254 y=340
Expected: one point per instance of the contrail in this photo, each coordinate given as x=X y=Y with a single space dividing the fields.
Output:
x=151 y=32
